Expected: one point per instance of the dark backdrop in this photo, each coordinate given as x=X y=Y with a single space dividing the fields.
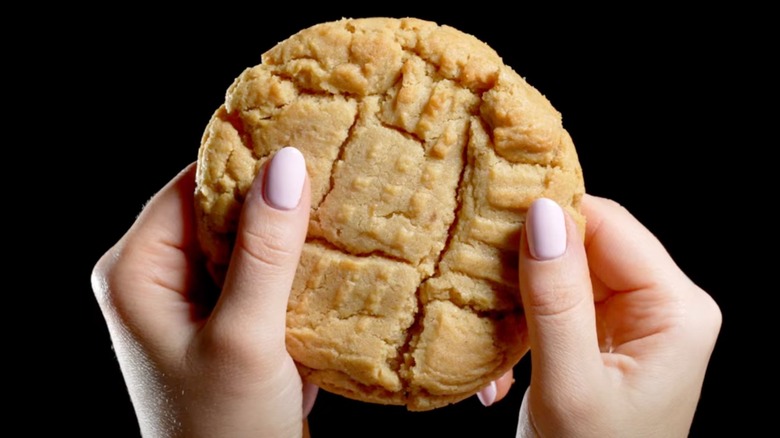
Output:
x=637 y=95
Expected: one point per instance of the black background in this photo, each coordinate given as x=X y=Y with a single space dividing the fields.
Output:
x=648 y=100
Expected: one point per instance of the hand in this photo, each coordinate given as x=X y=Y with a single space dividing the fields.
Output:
x=195 y=369
x=620 y=337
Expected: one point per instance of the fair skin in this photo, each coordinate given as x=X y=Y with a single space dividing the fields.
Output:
x=620 y=337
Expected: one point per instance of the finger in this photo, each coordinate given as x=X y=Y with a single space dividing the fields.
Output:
x=252 y=306
x=622 y=253
x=557 y=297
x=310 y=391
x=142 y=282
x=639 y=289
x=504 y=384
x=634 y=278
x=496 y=390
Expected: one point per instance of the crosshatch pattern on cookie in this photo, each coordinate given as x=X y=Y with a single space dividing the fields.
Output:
x=424 y=152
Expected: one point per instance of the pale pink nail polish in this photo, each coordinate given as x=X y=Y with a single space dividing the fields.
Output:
x=487 y=395
x=546 y=230
x=284 y=179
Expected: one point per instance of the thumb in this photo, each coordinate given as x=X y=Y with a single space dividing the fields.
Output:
x=268 y=245
x=558 y=300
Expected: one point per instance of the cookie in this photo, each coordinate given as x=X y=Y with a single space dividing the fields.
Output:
x=424 y=152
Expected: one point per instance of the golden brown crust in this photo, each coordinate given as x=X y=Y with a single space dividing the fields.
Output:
x=424 y=152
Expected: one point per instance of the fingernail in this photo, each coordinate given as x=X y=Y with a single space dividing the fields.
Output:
x=309 y=395
x=487 y=395
x=284 y=179
x=546 y=230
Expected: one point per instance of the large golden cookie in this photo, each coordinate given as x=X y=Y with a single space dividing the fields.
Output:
x=424 y=152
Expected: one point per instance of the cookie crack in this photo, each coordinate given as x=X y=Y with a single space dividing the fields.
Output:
x=458 y=206
x=339 y=158
x=406 y=352
x=299 y=88
x=404 y=361
x=246 y=138
x=394 y=214
x=302 y=89
x=362 y=315
x=481 y=312
x=404 y=132
x=224 y=174
x=324 y=242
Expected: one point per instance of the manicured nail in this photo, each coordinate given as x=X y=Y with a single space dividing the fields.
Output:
x=546 y=230
x=487 y=395
x=309 y=395
x=284 y=179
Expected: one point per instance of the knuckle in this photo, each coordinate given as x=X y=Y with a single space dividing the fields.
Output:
x=699 y=321
x=618 y=208
x=268 y=246
x=114 y=275
x=710 y=313
x=99 y=279
x=606 y=202
x=557 y=296
x=105 y=278
x=613 y=204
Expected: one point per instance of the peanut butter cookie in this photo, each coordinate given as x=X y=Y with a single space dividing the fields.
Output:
x=424 y=152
